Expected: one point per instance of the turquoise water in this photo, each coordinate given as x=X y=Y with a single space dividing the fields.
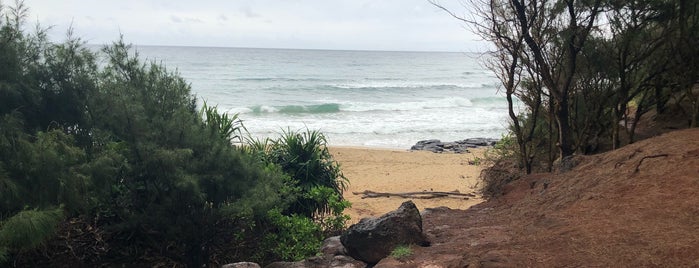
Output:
x=357 y=98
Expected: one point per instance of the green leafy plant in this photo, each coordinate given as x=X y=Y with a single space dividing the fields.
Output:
x=506 y=147
x=304 y=156
x=401 y=252
x=293 y=238
x=334 y=222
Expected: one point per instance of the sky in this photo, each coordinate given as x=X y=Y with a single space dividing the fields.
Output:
x=403 y=25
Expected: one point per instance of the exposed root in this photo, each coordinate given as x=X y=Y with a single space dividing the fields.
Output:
x=646 y=157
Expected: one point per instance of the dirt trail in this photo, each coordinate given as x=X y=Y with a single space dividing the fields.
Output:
x=634 y=207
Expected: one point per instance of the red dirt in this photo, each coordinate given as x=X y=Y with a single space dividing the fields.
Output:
x=637 y=206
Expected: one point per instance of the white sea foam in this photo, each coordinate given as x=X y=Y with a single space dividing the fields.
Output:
x=383 y=99
x=449 y=102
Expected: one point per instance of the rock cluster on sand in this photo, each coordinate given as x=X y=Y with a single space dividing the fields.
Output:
x=462 y=146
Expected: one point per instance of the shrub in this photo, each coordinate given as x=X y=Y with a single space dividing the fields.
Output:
x=333 y=222
x=304 y=156
x=292 y=238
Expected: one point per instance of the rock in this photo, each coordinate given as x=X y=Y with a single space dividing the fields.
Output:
x=478 y=142
x=461 y=146
x=325 y=261
x=372 y=239
x=435 y=146
x=333 y=246
x=420 y=145
x=241 y=265
x=341 y=261
x=286 y=264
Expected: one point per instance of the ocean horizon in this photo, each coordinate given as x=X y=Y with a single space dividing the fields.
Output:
x=381 y=99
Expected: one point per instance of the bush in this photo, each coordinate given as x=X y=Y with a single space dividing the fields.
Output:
x=304 y=156
x=293 y=238
x=333 y=222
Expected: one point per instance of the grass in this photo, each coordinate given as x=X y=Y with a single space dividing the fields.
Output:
x=401 y=251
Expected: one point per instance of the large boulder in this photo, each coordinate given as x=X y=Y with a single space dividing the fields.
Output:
x=373 y=239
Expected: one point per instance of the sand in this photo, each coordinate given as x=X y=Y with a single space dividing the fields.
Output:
x=396 y=171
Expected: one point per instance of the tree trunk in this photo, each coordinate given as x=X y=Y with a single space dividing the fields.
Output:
x=562 y=115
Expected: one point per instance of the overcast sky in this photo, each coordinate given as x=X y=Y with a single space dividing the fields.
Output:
x=314 y=24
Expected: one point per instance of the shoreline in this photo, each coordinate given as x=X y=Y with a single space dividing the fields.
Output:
x=387 y=170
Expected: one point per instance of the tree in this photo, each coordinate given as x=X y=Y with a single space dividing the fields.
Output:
x=122 y=147
x=580 y=66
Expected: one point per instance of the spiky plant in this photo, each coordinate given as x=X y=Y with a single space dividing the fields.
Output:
x=305 y=157
x=229 y=127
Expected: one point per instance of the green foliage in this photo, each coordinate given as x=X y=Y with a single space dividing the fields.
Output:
x=505 y=148
x=122 y=144
x=615 y=61
x=334 y=221
x=27 y=229
x=182 y=177
x=294 y=237
x=313 y=189
x=305 y=157
x=401 y=252
x=227 y=126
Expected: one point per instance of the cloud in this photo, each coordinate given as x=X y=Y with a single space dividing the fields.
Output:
x=176 y=19
x=179 y=19
x=337 y=24
x=247 y=12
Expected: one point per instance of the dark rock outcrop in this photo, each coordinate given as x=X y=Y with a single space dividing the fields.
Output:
x=372 y=239
x=461 y=146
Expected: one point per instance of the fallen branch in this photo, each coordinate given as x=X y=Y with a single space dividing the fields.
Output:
x=646 y=157
x=417 y=195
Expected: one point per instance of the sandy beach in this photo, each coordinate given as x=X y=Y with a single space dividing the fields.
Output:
x=396 y=171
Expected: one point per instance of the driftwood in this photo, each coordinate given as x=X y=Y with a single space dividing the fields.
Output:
x=416 y=195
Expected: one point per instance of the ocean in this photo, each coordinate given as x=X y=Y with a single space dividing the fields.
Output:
x=356 y=98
